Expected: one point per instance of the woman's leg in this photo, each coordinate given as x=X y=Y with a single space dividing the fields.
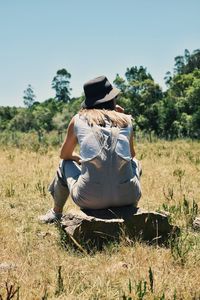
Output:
x=66 y=175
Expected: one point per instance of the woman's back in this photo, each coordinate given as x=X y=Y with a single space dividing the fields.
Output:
x=107 y=178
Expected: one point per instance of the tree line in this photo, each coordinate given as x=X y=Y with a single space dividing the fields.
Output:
x=174 y=113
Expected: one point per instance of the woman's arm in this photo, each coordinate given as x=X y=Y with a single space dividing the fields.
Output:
x=69 y=144
x=132 y=146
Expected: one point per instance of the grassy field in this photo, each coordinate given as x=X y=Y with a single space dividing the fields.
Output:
x=34 y=265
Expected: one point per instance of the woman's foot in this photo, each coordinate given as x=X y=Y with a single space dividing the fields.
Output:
x=50 y=217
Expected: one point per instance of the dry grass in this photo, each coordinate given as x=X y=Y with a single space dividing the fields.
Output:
x=42 y=269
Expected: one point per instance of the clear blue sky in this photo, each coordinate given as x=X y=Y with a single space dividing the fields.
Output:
x=89 y=38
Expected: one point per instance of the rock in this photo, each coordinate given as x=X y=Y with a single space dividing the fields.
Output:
x=43 y=234
x=7 y=266
x=196 y=224
x=97 y=227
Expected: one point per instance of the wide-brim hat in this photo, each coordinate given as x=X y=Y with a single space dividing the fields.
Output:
x=98 y=90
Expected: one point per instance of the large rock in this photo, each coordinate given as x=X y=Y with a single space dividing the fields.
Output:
x=97 y=227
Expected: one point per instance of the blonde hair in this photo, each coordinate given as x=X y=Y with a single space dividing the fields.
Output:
x=102 y=116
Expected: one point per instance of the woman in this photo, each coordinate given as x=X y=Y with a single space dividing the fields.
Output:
x=105 y=174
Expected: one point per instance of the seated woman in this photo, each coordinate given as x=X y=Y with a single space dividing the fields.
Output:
x=106 y=174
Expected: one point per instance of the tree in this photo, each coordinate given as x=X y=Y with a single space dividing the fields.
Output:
x=61 y=119
x=168 y=117
x=180 y=110
x=140 y=97
x=44 y=112
x=60 y=84
x=22 y=121
x=29 y=96
x=179 y=64
x=168 y=78
x=6 y=114
x=187 y=63
x=120 y=83
x=137 y=74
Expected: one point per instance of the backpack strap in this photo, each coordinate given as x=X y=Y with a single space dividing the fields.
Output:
x=114 y=136
x=110 y=142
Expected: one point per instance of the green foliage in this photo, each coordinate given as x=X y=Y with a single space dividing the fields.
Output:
x=140 y=97
x=171 y=114
x=60 y=286
x=61 y=119
x=22 y=121
x=151 y=280
x=187 y=63
x=137 y=74
x=40 y=117
x=142 y=289
x=34 y=141
x=184 y=93
x=6 y=115
x=184 y=208
x=180 y=248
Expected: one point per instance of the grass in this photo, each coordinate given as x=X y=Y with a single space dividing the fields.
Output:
x=38 y=267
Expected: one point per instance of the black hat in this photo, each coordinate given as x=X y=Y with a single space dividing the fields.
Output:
x=98 y=90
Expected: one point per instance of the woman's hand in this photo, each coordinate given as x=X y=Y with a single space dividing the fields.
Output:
x=132 y=149
x=118 y=108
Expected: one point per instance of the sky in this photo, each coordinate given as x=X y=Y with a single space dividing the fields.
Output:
x=89 y=38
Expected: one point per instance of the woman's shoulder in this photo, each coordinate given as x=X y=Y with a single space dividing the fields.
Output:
x=127 y=119
x=79 y=122
x=79 y=118
x=76 y=118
